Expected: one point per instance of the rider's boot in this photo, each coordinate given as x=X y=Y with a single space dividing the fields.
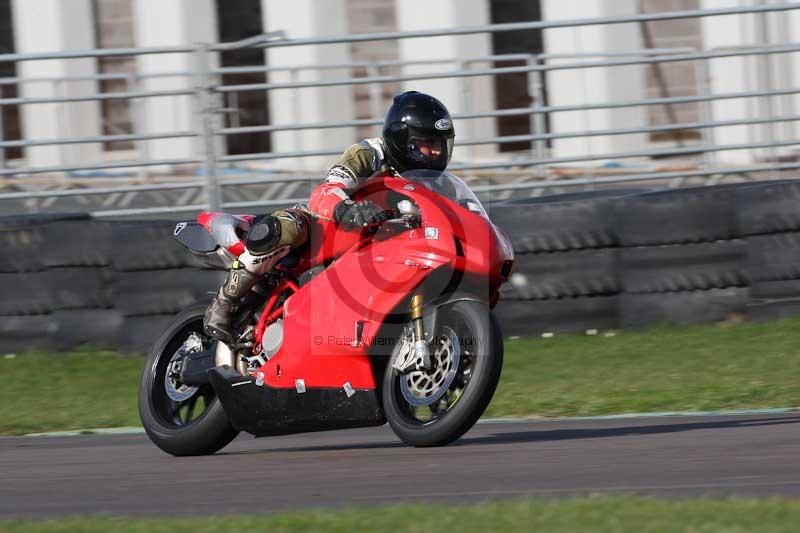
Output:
x=219 y=315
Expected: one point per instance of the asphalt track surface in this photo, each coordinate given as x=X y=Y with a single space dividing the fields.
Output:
x=753 y=455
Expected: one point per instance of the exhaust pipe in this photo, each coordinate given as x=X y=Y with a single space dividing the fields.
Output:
x=226 y=356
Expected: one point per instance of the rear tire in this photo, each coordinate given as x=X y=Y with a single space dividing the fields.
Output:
x=161 y=416
x=481 y=355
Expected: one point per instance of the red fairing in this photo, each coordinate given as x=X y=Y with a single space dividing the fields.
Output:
x=320 y=320
x=360 y=288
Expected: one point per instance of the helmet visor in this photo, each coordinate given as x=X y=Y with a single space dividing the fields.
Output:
x=430 y=152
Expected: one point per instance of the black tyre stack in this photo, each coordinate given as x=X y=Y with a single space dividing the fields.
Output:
x=565 y=276
x=68 y=280
x=680 y=260
x=584 y=261
x=55 y=282
x=154 y=279
x=768 y=217
x=634 y=259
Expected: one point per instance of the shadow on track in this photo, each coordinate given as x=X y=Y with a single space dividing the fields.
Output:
x=596 y=433
x=547 y=435
x=323 y=448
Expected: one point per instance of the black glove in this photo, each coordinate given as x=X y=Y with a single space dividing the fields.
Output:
x=351 y=215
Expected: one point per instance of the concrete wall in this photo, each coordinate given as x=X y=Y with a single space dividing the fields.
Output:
x=52 y=25
x=309 y=18
x=45 y=26
x=597 y=85
x=177 y=22
x=460 y=95
x=752 y=73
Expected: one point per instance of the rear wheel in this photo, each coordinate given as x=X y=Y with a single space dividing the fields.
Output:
x=435 y=407
x=179 y=419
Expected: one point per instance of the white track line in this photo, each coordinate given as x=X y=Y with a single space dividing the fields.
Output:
x=509 y=420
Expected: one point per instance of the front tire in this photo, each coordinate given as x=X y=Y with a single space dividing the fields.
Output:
x=171 y=423
x=422 y=415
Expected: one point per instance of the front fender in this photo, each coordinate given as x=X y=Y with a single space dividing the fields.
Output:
x=432 y=310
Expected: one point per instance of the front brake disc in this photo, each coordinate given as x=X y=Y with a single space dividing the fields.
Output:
x=426 y=387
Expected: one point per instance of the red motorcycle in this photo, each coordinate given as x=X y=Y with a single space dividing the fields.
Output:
x=357 y=328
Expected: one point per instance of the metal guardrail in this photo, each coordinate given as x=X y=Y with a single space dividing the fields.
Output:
x=512 y=70
x=208 y=90
x=275 y=40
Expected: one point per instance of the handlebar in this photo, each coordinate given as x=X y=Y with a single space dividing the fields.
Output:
x=392 y=217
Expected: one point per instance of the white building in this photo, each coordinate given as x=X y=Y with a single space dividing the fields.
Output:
x=30 y=26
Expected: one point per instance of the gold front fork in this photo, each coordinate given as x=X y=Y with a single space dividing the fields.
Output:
x=423 y=354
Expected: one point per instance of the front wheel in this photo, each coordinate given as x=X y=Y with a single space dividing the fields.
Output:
x=435 y=407
x=179 y=419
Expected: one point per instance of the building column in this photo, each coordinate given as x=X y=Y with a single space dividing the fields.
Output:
x=752 y=73
x=791 y=72
x=595 y=85
x=299 y=19
x=459 y=95
x=51 y=26
x=171 y=23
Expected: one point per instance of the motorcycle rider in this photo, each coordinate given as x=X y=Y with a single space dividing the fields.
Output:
x=417 y=134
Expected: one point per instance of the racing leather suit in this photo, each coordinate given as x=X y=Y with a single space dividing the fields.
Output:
x=273 y=236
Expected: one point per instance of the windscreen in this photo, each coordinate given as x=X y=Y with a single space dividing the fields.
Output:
x=449 y=185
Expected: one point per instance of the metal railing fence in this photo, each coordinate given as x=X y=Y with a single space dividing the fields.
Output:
x=206 y=185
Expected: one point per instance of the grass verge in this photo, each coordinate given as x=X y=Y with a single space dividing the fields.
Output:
x=664 y=369
x=618 y=515
x=85 y=389
x=726 y=366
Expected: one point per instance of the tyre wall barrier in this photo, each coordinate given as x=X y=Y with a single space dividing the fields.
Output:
x=69 y=280
x=594 y=260
x=633 y=259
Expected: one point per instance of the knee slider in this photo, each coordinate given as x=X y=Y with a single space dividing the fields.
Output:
x=264 y=236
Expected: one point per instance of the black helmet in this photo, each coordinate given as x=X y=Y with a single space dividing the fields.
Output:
x=418 y=132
